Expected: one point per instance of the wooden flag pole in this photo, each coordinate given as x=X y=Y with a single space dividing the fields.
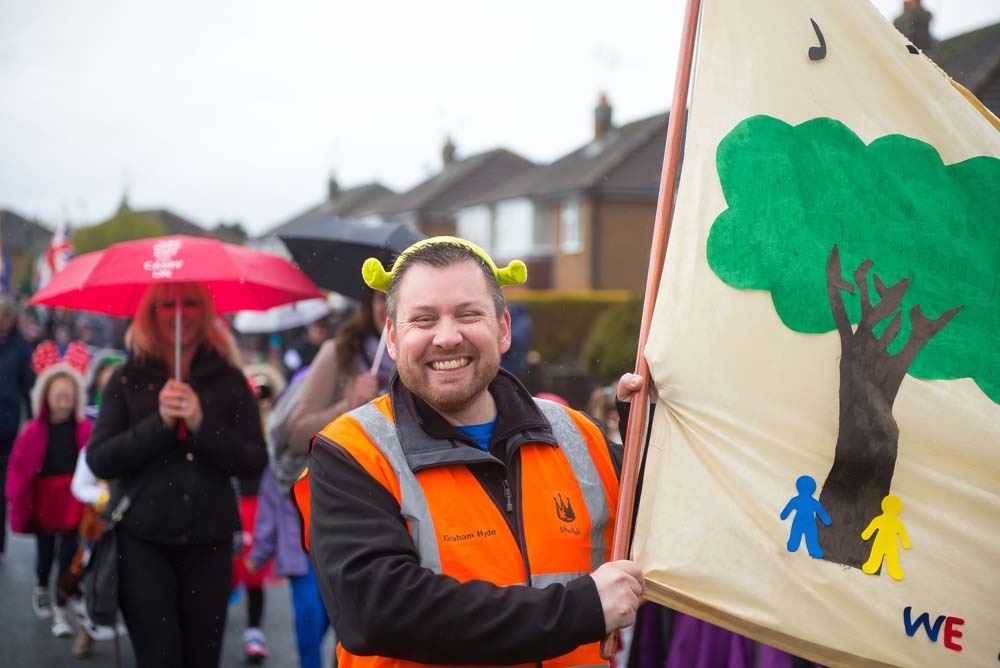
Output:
x=636 y=428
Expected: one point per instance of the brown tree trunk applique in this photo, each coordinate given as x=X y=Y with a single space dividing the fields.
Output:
x=870 y=377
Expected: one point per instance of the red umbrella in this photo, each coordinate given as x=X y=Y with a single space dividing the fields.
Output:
x=113 y=281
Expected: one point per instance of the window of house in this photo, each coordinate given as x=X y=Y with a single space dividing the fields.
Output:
x=570 y=231
x=545 y=230
x=474 y=224
x=515 y=228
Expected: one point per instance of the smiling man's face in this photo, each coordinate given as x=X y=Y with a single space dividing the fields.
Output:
x=447 y=340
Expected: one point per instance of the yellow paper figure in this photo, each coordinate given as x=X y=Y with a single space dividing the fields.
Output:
x=888 y=525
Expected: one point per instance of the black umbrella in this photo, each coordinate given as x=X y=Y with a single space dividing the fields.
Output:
x=331 y=251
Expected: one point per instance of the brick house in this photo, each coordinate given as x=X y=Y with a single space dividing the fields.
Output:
x=586 y=220
x=431 y=205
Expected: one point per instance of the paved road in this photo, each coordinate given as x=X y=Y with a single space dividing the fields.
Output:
x=27 y=642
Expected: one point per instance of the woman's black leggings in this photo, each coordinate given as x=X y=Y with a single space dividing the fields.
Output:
x=255 y=606
x=46 y=543
x=174 y=600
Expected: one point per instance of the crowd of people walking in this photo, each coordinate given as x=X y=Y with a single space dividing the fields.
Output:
x=208 y=442
x=83 y=424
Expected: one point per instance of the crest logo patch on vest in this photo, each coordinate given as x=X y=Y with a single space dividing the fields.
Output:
x=564 y=508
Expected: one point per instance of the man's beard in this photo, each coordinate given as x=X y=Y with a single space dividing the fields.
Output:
x=453 y=397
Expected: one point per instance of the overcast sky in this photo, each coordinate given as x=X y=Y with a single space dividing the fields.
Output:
x=239 y=110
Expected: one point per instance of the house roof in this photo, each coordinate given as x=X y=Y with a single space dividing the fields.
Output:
x=20 y=234
x=350 y=203
x=973 y=60
x=459 y=183
x=625 y=162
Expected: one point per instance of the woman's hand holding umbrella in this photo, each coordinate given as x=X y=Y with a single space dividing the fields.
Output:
x=363 y=389
x=179 y=401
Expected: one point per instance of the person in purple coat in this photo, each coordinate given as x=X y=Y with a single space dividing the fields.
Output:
x=277 y=535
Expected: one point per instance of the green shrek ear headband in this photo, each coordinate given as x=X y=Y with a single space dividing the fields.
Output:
x=377 y=278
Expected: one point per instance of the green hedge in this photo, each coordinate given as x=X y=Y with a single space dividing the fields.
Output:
x=562 y=320
x=609 y=350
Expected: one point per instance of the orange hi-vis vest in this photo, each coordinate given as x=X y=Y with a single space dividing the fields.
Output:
x=566 y=502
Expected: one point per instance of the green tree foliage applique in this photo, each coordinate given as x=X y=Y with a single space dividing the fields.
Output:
x=921 y=242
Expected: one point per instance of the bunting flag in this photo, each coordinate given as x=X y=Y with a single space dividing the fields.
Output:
x=823 y=469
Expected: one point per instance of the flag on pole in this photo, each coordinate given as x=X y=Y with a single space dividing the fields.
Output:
x=60 y=249
x=59 y=252
x=823 y=472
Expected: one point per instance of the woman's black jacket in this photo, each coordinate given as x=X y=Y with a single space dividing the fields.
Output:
x=184 y=495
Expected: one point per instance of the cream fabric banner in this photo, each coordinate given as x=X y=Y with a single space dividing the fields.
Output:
x=824 y=464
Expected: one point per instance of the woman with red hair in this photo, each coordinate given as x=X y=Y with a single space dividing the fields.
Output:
x=173 y=444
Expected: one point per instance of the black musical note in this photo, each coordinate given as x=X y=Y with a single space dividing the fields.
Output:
x=817 y=52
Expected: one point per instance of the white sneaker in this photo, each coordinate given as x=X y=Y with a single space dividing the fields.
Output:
x=254 y=645
x=60 y=627
x=103 y=632
x=40 y=602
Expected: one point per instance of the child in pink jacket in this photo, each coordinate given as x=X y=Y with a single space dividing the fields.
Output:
x=38 y=480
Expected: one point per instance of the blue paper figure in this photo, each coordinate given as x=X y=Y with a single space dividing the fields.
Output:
x=804 y=523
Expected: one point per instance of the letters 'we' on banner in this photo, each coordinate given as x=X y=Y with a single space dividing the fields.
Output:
x=824 y=464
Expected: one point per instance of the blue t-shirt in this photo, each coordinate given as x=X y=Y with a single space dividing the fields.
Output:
x=480 y=433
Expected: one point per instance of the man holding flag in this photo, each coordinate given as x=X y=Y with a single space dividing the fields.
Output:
x=457 y=520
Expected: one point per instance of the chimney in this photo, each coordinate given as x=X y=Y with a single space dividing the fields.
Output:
x=447 y=152
x=332 y=188
x=602 y=118
x=915 y=24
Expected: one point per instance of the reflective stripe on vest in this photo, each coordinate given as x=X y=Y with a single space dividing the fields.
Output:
x=413 y=504
x=575 y=448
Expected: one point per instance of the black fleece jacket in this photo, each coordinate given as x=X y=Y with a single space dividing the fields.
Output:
x=381 y=601
x=185 y=495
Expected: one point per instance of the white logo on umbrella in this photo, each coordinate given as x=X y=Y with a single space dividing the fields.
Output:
x=164 y=265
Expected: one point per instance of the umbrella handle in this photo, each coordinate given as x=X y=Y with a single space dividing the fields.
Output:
x=379 y=353
x=177 y=331
x=181 y=424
